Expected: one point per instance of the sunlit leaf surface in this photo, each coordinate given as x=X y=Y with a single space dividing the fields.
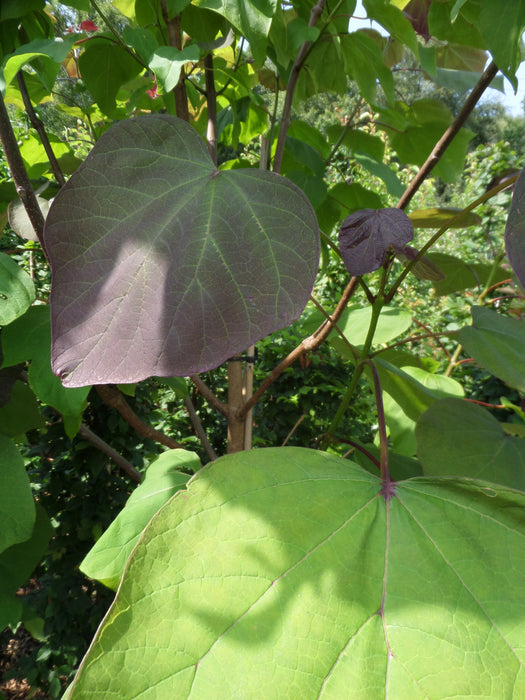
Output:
x=284 y=573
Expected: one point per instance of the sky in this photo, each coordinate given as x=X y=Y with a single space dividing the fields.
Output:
x=512 y=102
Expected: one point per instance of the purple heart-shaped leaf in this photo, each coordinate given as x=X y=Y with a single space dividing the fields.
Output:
x=367 y=235
x=162 y=265
x=515 y=231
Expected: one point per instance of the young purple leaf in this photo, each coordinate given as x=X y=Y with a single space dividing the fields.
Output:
x=367 y=235
x=515 y=231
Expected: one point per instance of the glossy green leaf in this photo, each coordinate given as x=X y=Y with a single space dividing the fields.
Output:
x=17 y=291
x=18 y=562
x=166 y=62
x=437 y=217
x=175 y=266
x=394 y=21
x=502 y=27
x=515 y=230
x=36 y=159
x=251 y=17
x=497 y=343
x=416 y=142
x=381 y=170
x=407 y=391
x=285 y=573
x=106 y=560
x=29 y=339
x=460 y=275
x=50 y=51
x=16 y=501
x=455 y=437
x=357 y=141
x=400 y=425
x=366 y=66
x=21 y=413
x=355 y=322
x=105 y=67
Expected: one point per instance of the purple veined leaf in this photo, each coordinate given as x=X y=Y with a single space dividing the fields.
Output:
x=515 y=231
x=366 y=237
x=164 y=266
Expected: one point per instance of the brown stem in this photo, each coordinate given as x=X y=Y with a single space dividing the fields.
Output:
x=38 y=126
x=18 y=171
x=175 y=39
x=235 y=403
x=444 y=142
x=211 y=102
x=113 y=397
x=197 y=426
x=103 y=446
x=315 y=13
x=209 y=395
x=308 y=345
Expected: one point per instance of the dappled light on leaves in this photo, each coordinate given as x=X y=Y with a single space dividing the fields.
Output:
x=291 y=571
x=163 y=265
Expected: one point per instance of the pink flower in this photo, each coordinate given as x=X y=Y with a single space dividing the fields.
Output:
x=153 y=92
x=88 y=26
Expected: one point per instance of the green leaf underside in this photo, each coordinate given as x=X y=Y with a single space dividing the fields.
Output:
x=497 y=343
x=283 y=573
x=457 y=437
x=173 y=266
x=106 y=560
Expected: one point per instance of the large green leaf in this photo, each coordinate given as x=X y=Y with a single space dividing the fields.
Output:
x=163 y=265
x=16 y=502
x=460 y=275
x=105 y=67
x=18 y=562
x=502 y=27
x=400 y=426
x=106 y=560
x=355 y=322
x=497 y=343
x=455 y=437
x=251 y=17
x=284 y=573
x=29 y=339
x=21 y=413
x=51 y=53
x=17 y=291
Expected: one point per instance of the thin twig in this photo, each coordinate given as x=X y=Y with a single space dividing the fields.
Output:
x=209 y=395
x=307 y=345
x=103 y=446
x=315 y=13
x=197 y=426
x=38 y=126
x=19 y=174
x=114 y=398
x=444 y=142
x=292 y=431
